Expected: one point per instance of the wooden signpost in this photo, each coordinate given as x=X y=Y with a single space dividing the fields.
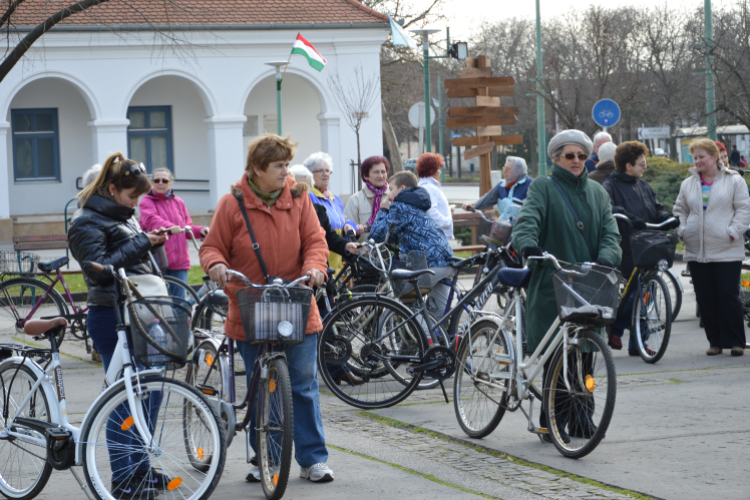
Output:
x=487 y=115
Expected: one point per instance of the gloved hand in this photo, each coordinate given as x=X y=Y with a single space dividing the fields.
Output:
x=605 y=262
x=638 y=223
x=673 y=225
x=532 y=251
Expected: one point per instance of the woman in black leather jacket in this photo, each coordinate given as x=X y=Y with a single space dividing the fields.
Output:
x=105 y=230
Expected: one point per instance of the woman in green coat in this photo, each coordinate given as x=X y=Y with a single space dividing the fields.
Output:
x=546 y=223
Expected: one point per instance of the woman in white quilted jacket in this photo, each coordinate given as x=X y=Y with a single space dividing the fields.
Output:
x=714 y=211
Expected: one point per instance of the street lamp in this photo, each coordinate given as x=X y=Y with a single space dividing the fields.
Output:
x=425 y=34
x=541 y=136
x=278 y=65
x=710 y=96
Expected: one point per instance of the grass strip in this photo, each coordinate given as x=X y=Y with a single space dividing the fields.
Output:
x=70 y=356
x=513 y=459
x=410 y=471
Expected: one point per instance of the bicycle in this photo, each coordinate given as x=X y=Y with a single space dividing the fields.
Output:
x=653 y=252
x=158 y=421
x=493 y=375
x=213 y=371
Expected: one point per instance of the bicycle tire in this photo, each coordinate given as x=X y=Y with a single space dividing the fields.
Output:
x=675 y=292
x=358 y=320
x=560 y=403
x=275 y=452
x=442 y=340
x=167 y=394
x=652 y=302
x=470 y=420
x=459 y=317
x=33 y=464
x=191 y=295
x=22 y=294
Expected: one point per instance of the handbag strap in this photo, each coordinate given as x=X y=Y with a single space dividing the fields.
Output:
x=256 y=247
x=579 y=224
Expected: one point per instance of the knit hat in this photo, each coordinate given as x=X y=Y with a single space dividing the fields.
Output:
x=567 y=137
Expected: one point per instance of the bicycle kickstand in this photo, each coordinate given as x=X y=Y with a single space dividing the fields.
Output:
x=539 y=431
x=445 y=394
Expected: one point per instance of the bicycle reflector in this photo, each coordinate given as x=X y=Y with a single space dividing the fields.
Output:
x=174 y=483
x=590 y=383
x=746 y=283
x=127 y=424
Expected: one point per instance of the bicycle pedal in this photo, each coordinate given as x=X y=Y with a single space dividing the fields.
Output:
x=539 y=431
x=207 y=389
x=57 y=433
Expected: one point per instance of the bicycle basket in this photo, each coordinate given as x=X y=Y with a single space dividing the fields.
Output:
x=649 y=247
x=498 y=232
x=18 y=262
x=413 y=261
x=166 y=320
x=587 y=295
x=270 y=311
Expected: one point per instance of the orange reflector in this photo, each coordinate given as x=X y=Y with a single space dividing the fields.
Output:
x=272 y=385
x=127 y=424
x=201 y=454
x=209 y=360
x=174 y=483
x=590 y=383
x=275 y=479
x=746 y=283
x=645 y=297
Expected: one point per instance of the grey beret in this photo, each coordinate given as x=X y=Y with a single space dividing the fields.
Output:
x=567 y=137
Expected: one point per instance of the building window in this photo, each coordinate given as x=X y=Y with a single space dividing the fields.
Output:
x=150 y=136
x=36 y=145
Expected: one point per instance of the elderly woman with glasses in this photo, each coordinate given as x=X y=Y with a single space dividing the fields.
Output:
x=320 y=165
x=162 y=208
x=514 y=186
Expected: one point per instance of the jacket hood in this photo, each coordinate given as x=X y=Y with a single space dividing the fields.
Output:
x=162 y=197
x=109 y=208
x=415 y=196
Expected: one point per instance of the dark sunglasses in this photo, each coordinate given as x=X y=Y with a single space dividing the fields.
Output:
x=135 y=169
x=571 y=156
x=161 y=181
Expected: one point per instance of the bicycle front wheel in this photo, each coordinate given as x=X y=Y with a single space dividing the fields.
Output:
x=365 y=341
x=579 y=402
x=481 y=382
x=675 y=292
x=23 y=299
x=652 y=319
x=24 y=470
x=190 y=295
x=116 y=461
x=275 y=431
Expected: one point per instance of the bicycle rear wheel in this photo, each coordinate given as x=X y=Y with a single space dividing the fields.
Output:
x=577 y=421
x=479 y=395
x=275 y=431
x=652 y=319
x=675 y=291
x=24 y=470
x=183 y=426
x=351 y=343
x=20 y=296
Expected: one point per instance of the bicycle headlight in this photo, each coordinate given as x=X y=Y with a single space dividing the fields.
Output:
x=285 y=329
x=663 y=265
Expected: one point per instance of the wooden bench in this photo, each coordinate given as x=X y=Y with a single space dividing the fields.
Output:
x=41 y=242
x=471 y=220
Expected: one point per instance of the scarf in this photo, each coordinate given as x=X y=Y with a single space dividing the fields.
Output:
x=379 y=192
x=268 y=198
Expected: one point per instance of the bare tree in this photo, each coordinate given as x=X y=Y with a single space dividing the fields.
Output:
x=356 y=99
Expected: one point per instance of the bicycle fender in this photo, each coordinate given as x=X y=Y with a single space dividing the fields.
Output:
x=49 y=389
x=276 y=355
x=676 y=278
x=105 y=392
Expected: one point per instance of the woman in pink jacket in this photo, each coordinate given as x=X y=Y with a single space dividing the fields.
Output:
x=161 y=208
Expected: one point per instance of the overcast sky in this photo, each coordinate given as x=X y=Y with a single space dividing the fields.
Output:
x=467 y=14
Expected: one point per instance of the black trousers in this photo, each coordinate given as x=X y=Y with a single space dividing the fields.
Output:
x=717 y=289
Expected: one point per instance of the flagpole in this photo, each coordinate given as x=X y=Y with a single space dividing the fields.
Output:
x=287 y=65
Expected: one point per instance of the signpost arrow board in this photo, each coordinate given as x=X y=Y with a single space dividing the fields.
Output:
x=455 y=111
x=606 y=113
x=645 y=133
x=480 y=121
x=479 y=150
x=499 y=140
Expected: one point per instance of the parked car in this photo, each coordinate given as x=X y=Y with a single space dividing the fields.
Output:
x=660 y=152
x=411 y=165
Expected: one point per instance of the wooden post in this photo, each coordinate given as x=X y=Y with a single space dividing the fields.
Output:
x=485 y=178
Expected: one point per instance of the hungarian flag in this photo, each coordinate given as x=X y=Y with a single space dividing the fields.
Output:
x=305 y=48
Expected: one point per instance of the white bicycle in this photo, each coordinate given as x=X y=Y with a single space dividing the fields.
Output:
x=144 y=436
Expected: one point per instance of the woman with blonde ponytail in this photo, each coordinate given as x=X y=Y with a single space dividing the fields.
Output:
x=105 y=230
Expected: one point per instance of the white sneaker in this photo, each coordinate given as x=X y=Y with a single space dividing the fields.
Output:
x=318 y=473
x=254 y=475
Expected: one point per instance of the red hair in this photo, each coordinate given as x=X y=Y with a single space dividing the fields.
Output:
x=428 y=164
x=370 y=162
x=721 y=146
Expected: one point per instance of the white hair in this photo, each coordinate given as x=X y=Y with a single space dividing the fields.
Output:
x=301 y=174
x=91 y=174
x=607 y=151
x=602 y=137
x=315 y=160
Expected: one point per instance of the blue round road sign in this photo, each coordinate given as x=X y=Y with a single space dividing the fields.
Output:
x=606 y=113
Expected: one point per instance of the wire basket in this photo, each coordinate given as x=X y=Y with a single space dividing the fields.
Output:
x=587 y=295
x=166 y=320
x=413 y=261
x=497 y=232
x=649 y=247
x=9 y=262
x=275 y=314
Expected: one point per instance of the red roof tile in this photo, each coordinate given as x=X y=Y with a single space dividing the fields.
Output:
x=202 y=12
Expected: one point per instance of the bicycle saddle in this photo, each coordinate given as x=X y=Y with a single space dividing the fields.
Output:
x=39 y=326
x=517 y=278
x=46 y=266
x=409 y=275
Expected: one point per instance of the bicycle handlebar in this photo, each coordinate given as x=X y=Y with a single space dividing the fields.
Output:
x=237 y=274
x=648 y=224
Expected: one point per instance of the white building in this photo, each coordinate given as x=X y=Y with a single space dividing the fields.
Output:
x=85 y=90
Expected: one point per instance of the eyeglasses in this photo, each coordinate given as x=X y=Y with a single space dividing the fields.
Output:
x=323 y=171
x=571 y=156
x=161 y=181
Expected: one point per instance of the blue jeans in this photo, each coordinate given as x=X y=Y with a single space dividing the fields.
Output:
x=123 y=463
x=309 y=439
x=176 y=291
